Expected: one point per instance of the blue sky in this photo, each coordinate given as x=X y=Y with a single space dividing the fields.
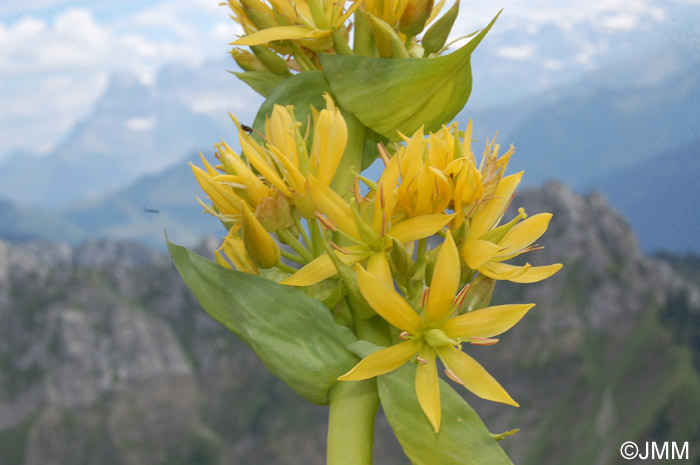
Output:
x=56 y=56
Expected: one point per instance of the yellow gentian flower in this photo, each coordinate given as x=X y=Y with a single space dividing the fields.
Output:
x=435 y=334
x=369 y=226
x=309 y=22
x=486 y=246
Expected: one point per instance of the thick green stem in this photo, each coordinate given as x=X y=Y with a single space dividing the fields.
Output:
x=353 y=406
x=353 y=409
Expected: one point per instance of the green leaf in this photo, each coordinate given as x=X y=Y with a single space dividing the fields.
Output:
x=262 y=82
x=301 y=90
x=294 y=335
x=387 y=95
x=463 y=438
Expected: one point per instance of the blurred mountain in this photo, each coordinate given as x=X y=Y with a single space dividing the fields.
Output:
x=661 y=198
x=106 y=358
x=134 y=129
x=611 y=119
x=29 y=223
x=144 y=209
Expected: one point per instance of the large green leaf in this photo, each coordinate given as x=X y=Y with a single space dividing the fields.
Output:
x=294 y=335
x=300 y=90
x=463 y=438
x=387 y=94
x=262 y=82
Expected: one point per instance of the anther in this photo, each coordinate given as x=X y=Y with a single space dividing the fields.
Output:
x=339 y=248
x=482 y=341
x=451 y=374
x=326 y=222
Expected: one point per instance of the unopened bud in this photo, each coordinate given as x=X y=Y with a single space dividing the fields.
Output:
x=401 y=262
x=414 y=16
x=261 y=247
x=270 y=59
x=247 y=61
x=389 y=45
x=479 y=295
x=273 y=213
x=435 y=38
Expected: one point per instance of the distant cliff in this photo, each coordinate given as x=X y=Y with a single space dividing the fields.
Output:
x=106 y=358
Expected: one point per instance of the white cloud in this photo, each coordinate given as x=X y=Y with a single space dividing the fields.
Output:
x=518 y=52
x=141 y=123
x=620 y=22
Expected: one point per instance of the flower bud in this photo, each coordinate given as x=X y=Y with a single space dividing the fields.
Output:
x=479 y=295
x=414 y=16
x=273 y=213
x=401 y=262
x=270 y=59
x=435 y=38
x=389 y=45
x=261 y=247
x=247 y=61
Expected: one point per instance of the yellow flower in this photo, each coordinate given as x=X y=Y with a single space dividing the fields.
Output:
x=486 y=246
x=309 y=22
x=435 y=334
x=369 y=225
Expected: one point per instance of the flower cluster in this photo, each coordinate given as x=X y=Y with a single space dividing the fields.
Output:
x=285 y=36
x=431 y=187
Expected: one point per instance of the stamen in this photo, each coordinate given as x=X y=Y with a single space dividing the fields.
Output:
x=383 y=154
x=357 y=193
x=451 y=374
x=339 y=248
x=404 y=335
x=424 y=299
x=383 y=231
x=421 y=360
x=482 y=341
x=326 y=222
x=459 y=299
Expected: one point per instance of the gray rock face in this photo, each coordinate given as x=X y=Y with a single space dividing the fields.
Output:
x=106 y=358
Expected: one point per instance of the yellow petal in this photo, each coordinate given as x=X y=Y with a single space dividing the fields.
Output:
x=330 y=138
x=261 y=247
x=474 y=376
x=537 y=273
x=322 y=267
x=524 y=233
x=419 y=227
x=495 y=207
x=387 y=302
x=428 y=387
x=382 y=361
x=257 y=159
x=487 y=322
x=223 y=197
x=445 y=282
x=477 y=252
x=273 y=33
x=503 y=271
x=378 y=265
x=334 y=207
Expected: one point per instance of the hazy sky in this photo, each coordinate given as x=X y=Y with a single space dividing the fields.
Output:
x=56 y=56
